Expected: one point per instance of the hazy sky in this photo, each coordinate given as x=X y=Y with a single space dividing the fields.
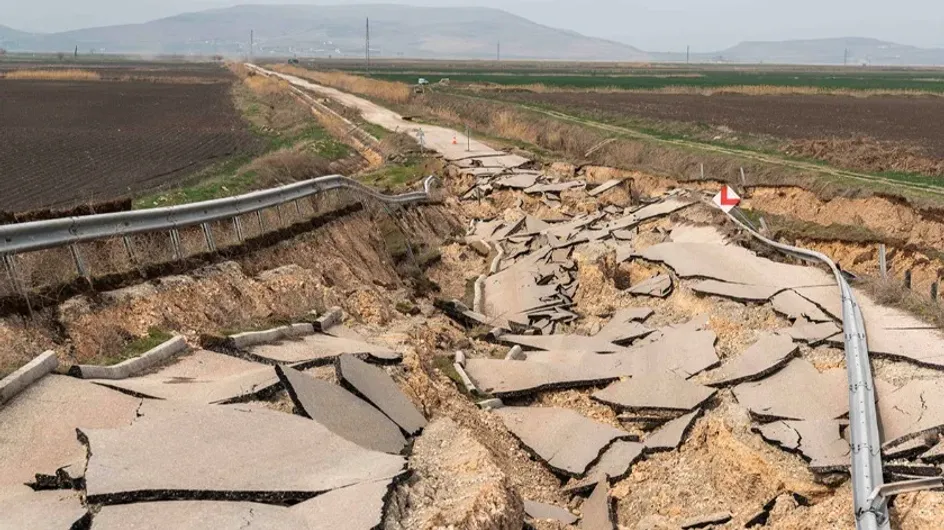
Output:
x=655 y=25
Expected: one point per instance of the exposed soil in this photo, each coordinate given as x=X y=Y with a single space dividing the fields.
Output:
x=915 y=121
x=64 y=143
x=864 y=154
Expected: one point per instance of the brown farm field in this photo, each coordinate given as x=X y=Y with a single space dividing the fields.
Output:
x=875 y=133
x=65 y=143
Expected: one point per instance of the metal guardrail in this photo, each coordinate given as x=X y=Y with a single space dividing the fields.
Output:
x=40 y=235
x=871 y=509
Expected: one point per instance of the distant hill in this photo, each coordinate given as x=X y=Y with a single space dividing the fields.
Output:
x=853 y=50
x=11 y=38
x=419 y=32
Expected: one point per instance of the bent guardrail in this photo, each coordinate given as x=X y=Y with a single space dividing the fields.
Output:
x=865 y=443
x=70 y=231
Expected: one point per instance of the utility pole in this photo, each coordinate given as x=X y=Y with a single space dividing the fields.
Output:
x=368 y=46
x=498 y=55
x=688 y=53
x=252 y=43
x=845 y=57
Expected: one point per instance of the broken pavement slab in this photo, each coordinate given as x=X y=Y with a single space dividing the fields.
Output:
x=177 y=452
x=566 y=440
x=617 y=460
x=320 y=349
x=910 y=411
x=771 y=352
x=505 y=378
x=195 y=515
x=357 y=507
x=659 y=286
x=201 y=377
x=697 y=234
x=659 y=391
x=548 y=512
x=43 y=509
x=597 y=510
x=672 y=434
x=812 y=333
x=378 y=388
x=736 y=291
x=819 y=442
x=605 y=187
x=341 y=412
x=562 y=341
x=797 y=392
x=795 y=307
x=732 y=264
x=38 y=433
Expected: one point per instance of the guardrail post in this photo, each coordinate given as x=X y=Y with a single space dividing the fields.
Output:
x=208 y=235
x=175 y=243
x=261 y=222
x=238 y=226
x=79 y=262
x=702 y=171
x=129 y=248
x=278 y=211
x=882 y=262
x=9 y=261
x=298 y=209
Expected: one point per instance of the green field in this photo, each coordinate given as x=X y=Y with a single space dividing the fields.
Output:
x=920 y=81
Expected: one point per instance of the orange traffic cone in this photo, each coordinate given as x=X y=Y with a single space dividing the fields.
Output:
x=454 y=140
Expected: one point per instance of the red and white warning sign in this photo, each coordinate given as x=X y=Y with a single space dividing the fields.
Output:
x=727 y=200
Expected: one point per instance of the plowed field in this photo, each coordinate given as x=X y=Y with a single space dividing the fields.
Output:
x=64 y=143
x=912 y=121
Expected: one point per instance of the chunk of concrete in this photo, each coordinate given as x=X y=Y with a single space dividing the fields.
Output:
x=562 y=341
x=253 y=338
x=697 y=234
x=597 y=510
x=566 y=440
x=797 y=392
x=38 y=425
x=27 y=374
x=705 y=521
x=548 y=512
x=506 y=378
x=518 y=182
x=43 y=509
x=733 y=264
x=341 y=412
x=134 y=365
x=196 y=515
x=320 y=349
x=671 y=435
x=935 y=454
x=617 y=460
x=736 y=291
x=795 y=307
x=819 y=442
x=924 y=347
x=659 y=391
x=377 y=387
x=605 y=187
x=811 y=333
x=683 y=350
x=357 y=507
x=910 y=411
x=659 y=286
x=201 y=377
x=176 y=452
x=770 y=353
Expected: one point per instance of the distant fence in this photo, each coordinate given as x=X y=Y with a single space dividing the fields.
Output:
x=51 y=252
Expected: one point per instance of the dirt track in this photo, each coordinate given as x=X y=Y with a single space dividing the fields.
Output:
x=67 y=142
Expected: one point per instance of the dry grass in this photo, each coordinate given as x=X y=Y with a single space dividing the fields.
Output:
x=54 y=75
x=384 y=90
x=893 y=293
x=748 y=90
x=288 y=165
